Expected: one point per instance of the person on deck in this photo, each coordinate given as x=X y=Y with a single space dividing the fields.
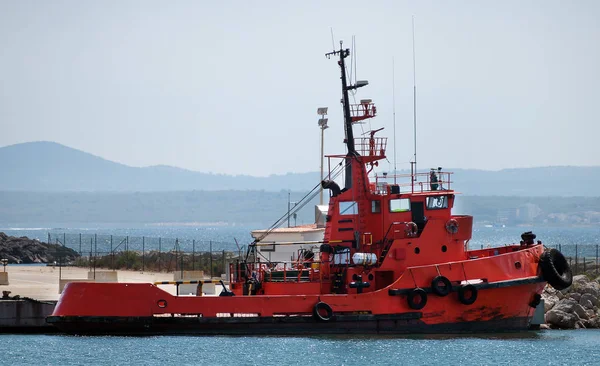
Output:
x=433 y=180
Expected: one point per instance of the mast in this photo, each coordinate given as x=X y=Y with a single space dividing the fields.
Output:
x=343 y=53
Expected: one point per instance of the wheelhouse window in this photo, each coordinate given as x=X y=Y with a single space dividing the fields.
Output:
x=348 y=208
x=400 y=205
x=375 y=206
x=437 y=202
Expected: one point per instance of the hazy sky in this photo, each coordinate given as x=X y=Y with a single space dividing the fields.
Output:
x=233 y=86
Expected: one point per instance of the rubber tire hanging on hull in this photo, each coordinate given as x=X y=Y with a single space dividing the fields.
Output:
x=445 y=287
x=320 y=306
x=463 y=291
x=555 y=269
x=415 y=294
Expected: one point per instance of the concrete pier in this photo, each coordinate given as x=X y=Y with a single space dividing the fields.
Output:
x=25 y=316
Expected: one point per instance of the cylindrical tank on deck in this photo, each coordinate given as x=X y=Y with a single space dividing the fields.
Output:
x=365 y=259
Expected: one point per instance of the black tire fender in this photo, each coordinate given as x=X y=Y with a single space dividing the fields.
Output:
x=417 y=299
x=319 y=307
x=555 y=269
x=441 y=286
x=467 y=294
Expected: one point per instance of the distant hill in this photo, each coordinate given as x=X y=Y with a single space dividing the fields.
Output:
x=51 y=167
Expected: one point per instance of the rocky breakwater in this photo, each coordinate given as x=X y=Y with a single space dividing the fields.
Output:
x=576 y=307
x=25 y=250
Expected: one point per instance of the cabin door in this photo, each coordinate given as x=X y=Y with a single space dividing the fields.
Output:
x=418 y=214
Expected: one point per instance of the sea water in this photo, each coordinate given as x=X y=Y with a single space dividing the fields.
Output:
x=224 y=237
x=549 y=347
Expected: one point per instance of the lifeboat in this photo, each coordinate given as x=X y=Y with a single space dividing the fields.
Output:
x=394 y=259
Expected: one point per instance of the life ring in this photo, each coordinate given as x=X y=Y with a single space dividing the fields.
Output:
x=411 y=229
x=321 y=306
x=452 y=226
x=555 y=269
x=441 y=286
x=417 y=298
x=467 y=294
x=161 y=304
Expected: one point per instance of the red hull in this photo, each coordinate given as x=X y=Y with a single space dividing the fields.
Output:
x=502 y=304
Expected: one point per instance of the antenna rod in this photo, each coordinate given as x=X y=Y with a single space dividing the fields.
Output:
x=394 y=114
x=414 y=94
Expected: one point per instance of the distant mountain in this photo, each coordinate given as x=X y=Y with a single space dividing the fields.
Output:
x=51 y=167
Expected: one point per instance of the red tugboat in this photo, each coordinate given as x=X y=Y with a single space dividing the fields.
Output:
x=394 y=260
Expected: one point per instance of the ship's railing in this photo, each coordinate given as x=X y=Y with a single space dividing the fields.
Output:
x=411 y=183
x=360 y=112
x=284 y=271
x=366 y=146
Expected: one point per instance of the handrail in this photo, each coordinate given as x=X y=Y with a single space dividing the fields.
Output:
x=418 y=182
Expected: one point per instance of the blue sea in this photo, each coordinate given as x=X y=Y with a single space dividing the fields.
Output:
x=100 y=238
x=575 y=347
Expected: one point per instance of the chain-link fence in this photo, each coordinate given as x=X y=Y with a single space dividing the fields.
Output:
x=212 y=257
x=145 y=253
x=583 y=259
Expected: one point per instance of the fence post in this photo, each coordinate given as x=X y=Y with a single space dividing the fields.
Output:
x=80 y=244
x=176 y=253
x=576 y=260
x=596 y=259
x=95 y=253
x=112 y=254
x=210 y=248
x=159 y=253
x=143 y=251
x=193 y=254
x=59 y=261
x=583 y=265
x=91 y=253
x=224 y=268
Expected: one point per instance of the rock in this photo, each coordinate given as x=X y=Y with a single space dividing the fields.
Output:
x=594 y=323
x=591 y=298
x=591 y=313
x=550 y=290
x=561 y=319
x=575 y=296
x=579 y=325
x=580 y=311
x=565 y=305
x=25 y=250
x=544 y=326
x=587 y=304
x=592 y=288
x=560 y=295
x=549 y=302
x=580 y=280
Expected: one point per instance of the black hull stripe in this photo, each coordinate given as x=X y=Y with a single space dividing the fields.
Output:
x=408 y=323
x=478 y=286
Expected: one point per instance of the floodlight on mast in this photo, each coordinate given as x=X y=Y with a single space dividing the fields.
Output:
x=323 y=124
